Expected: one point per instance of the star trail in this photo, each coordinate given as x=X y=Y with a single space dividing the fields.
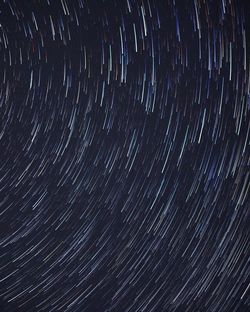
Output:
x=124 y=155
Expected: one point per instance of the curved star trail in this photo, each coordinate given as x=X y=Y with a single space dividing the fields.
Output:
x=124 y=148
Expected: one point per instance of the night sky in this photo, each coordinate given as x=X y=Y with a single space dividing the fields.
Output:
x=124 y=155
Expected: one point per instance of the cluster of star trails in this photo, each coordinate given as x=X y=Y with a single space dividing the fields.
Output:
x=124 y=155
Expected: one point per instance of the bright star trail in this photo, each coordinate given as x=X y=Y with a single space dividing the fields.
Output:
x=125 y=155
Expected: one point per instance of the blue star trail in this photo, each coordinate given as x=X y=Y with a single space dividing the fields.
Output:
x=124 y=155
